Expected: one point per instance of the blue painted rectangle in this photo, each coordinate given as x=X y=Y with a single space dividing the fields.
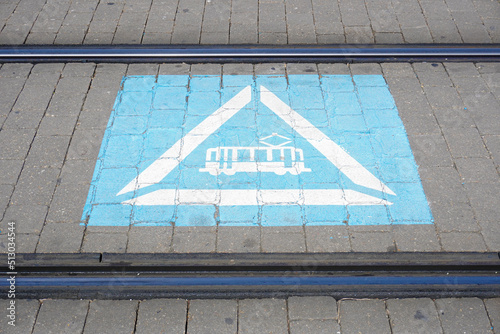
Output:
x=257 y=167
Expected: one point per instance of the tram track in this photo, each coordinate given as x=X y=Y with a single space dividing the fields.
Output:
x=350 y=53
x=341 y=275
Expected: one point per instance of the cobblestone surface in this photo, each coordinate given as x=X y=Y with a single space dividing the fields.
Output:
x=295 y=315
x=248 y=22
x=48 y=157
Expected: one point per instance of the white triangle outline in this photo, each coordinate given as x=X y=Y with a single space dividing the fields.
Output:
x=183 y=147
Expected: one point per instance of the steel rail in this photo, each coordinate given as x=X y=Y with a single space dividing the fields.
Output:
x=252 y=53
x=342 y=275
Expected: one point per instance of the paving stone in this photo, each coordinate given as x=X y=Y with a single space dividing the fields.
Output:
x=454 y=119
x=262 y=316
x=454 y=216
x=104 y=242
x=70 y=35
x=466 y=143
x=40 y=38
x=483 y=198
x=15 y=143
x=490 y=230
x=444 y=31
x=413 y=315
x=466 y=315
x=26 y=243
x=218 y=316
x=272 y=18
x=161 y=316
x=61 y=316
x=85 y=144
x=15 y=70
x=477 y=170
x=354 y=13
x=493 y=309
x=443 y=97
x=174 y=69
x=29 y=218
x=271 y=68
x=29 y=119
x=60 y=238
x=108 y=229
x=128 y=35
x=111 y=316
x=286 y=239
x=214 y=38
x=372 y=242
x=333 y=69
x=416 y=34
x=372 y=314
x=359 y=35
x=77 y=172
x=47 y=152
x=388 y=38
x=26 y=312
x=314 y=326
x=328 y=23
x=67 y=203
x=312 y=308
x=243 y=33
x=37 y=92
x=5 y=194
x=493 y=147
x=473 y=33
x=430 y=150
x=96 y=38
x=327 y=239
x=143 y=69
x=197 y=239
x=156 y=38
x=186 y=34
x=93 y=119
x=35 y=186
x=273 y=38
x=301 y=68
x=10 y=170
x=57 y=126
x=206 y=69
x=238 y=239
x=365 y=68
x=12 y=35
x=462 y=241
x=237 y=69
x=331 y=39
x=442 y=184
x=416 y=238
x=149 y=239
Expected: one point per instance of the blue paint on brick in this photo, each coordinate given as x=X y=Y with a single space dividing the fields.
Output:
x=199 y=215
x=358 y=113
x=139 y=83
x=369 y=81
x=239 y=215
x=110 y=215
x=282 y=215
x=337 y=83
x=173 y=98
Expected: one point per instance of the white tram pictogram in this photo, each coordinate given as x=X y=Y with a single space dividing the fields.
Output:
x=278 y=159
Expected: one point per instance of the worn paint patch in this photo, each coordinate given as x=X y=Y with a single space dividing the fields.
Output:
x=242 y=151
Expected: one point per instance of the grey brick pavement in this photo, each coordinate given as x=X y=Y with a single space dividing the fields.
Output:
x=47 y=161
x=293 y=315
x=248 y=22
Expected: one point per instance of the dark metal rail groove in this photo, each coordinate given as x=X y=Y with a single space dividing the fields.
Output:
x=341 y=275
x=251 y=53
